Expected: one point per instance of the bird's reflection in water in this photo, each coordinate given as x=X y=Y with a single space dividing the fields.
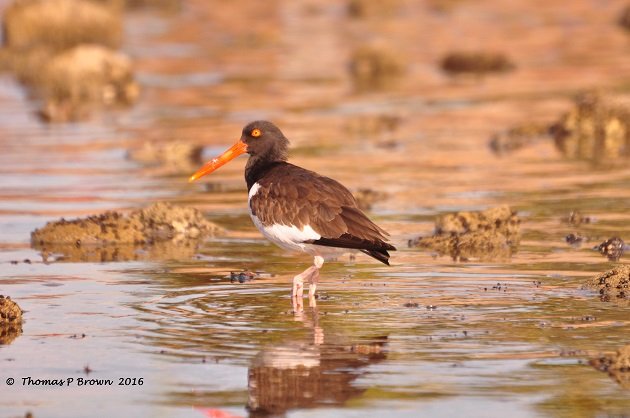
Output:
x=307 y=374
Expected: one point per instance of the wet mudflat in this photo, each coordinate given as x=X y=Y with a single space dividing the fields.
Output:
x=505 y=334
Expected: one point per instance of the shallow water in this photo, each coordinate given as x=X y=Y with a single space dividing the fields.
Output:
x=427 y=336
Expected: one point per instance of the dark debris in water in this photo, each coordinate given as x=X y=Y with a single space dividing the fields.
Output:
x=242 y=276
x=487 y=235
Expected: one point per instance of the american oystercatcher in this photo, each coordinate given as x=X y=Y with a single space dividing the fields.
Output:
x=298 y=209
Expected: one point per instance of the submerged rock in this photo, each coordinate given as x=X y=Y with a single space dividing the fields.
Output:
x=376 y=66
x=366 y=198
x=612 y=248
x=75 y=82
x=486 y=235
x=174 y=156
x=518 y=137
x=362 y=9
x=476 y=62
x=596 y=129
x=613 y=284
x=162 y=230
x=10 y=320
x=617 y=365
x=60 y=24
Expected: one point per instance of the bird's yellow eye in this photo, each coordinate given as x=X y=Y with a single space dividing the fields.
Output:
x=256 y=133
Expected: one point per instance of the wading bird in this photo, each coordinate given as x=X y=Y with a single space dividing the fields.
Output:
x=298 y=209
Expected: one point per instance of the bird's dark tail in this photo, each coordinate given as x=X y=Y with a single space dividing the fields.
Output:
x=380 y=255
x=377 y=249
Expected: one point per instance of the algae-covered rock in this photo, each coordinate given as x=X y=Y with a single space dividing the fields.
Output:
x=486 y=235
x=60 y=24
x=617 y=365
x=10 y=320
x=613 y=285
x=376 y=66
x=158 y=222
x=476 y=62
x=596 y=129
x=76 y=81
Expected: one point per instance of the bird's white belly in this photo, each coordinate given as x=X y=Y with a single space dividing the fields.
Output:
x=290 y=237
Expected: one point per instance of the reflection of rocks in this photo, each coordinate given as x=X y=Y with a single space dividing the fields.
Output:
x=80 y=79
x=60 y=24
x=613 y=284
x=617 y=365
x=174 y=157
x=113 y=236
x=612 y=248
x=306 y=376
x=376 y=67
x=366 y=198
x=596 y=129
x=461 y=62
x=486 y=235
x=179 y=249
x=518 y=137
x=10 y=320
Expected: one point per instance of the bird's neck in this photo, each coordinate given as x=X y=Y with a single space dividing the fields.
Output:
x=257 y=167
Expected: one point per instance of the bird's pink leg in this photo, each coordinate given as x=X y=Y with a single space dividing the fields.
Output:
x=318 y=262
x=312 y=274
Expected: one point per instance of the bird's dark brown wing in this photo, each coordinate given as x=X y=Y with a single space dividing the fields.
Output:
x=301 y=197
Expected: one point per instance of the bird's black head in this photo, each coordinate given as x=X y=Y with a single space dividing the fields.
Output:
x=265 y=140
x=262 y=140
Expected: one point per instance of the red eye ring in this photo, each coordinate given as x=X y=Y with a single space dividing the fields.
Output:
x=256 y=132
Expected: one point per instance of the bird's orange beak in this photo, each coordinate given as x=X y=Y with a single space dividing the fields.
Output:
x=234 y=151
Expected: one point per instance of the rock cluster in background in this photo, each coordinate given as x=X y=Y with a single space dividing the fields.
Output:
x=64 y=52
x=477 y=63
x=613 y=285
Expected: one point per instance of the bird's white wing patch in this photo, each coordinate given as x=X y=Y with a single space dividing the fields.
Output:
x=253 y=191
